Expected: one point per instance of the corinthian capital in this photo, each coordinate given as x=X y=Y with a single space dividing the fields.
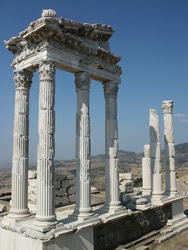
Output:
x=167 y=107
x=23 y=78
x=110 y=89
x=82 y=81
x=47 y=70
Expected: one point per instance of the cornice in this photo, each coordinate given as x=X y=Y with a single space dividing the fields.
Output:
x=86 y=41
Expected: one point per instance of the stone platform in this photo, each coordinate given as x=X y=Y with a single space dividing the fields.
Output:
x=104 y=231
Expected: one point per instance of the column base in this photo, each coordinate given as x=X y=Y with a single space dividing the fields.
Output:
x=113 y=207
x=107 y=215
x=18 y=213
x=44 y=224
x=171 y=193
x=157 y=200
x=9 y=221
x=146 y=192
x=83 y=215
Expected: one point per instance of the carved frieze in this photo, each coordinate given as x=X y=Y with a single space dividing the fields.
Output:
x=23 y=79
x=89 y=42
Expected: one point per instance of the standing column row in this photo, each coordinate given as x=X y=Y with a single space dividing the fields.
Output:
x=19 y=207
x=83 y=186
x=46 y=147
x=111 y=147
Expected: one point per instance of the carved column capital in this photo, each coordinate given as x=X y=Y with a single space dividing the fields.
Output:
x=46 y=70
x=167 y=107
x=82 y=81
x=110 y=90
x=23 y=78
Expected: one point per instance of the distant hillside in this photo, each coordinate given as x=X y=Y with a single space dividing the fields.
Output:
x=181 y=154
x=125 y=158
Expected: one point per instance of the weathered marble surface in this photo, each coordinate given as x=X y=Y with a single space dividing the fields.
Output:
x=155 y=151
x=83 y=164
x=146 y=171
x=19 y=207
x=46 y=145
x=169 y=147
x=111 y=147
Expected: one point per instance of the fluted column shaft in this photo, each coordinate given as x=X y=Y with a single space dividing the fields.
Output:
x=83 y=186
x=46 y=144
x=155 y=153
x=111 y=146
x=169 y=147
x=146 y=171
x=19 y=205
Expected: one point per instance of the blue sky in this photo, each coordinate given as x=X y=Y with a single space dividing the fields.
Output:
x=151 y=36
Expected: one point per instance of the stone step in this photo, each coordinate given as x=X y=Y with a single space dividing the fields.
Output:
x=145 y=240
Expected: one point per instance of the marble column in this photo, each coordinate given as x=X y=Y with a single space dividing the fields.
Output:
x=83 y=164
x=19 y=207
x=155 y=152
x=171 y=189
x=146 y=171
x=112 y=203
x=46 y=146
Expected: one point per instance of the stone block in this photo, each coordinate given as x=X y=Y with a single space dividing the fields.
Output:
x=65 y=200
x=58 y=200
x=94 y=190
x=32 y=182
x=32 y=174
x=32 y=190
x=2 y=208
x=71 y=182
x=71 y=198
x=60 y=192
x=71 y=177
x=142 y=248
x=57 y=184
x=126 y=176
x=60 y=177
x=32 y=197
x=65 y=184
x=71 y=190
x=126 y=186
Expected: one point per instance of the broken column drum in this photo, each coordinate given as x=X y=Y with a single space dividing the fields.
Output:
x=83 y=49
x=146 y=171
x=155 y=153
x=83 y=186
x=169 y=147
x=111 y=147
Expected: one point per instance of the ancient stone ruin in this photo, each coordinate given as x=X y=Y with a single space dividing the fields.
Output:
x=82 y=49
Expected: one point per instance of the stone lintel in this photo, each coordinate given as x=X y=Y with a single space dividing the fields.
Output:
x=68 y=62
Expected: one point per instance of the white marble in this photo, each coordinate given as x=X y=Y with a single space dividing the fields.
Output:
x=83 y=164
x=171 y=188
x=112 y=202
x=82 y=49
x=19 y=206
x=146 y=171
x=157 y=192
x=46 y=146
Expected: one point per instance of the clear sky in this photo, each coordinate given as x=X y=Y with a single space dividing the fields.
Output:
x=151 y=36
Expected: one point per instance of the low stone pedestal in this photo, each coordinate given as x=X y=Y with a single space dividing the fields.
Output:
x=178 y=215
